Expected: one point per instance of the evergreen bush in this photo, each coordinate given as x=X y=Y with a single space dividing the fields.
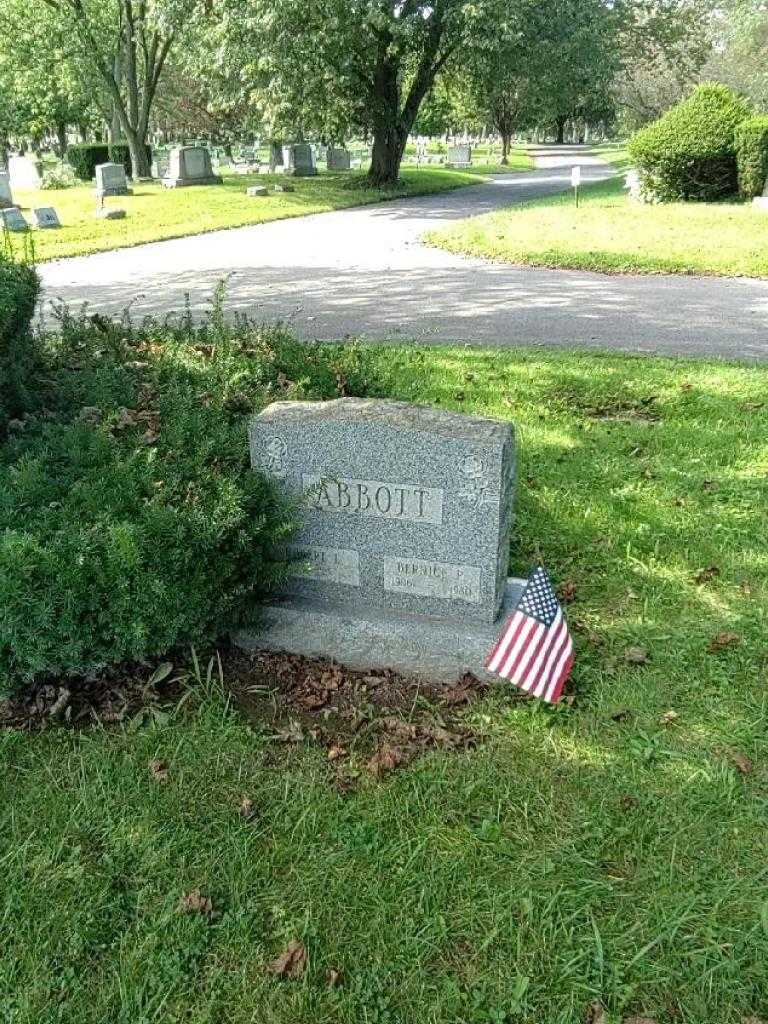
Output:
x=83 y=157
x=690 y=153
x=752 y=155
x=19 y=289
x=119 y=153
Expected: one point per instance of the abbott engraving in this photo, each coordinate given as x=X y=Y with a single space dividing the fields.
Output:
x=406 y=502
x=432 y=579
x=334 y=565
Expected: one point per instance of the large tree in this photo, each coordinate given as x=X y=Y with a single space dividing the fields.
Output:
x=364 y=64
x=123 y=46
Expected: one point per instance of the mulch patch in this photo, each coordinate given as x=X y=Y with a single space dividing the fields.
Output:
x=367 y=723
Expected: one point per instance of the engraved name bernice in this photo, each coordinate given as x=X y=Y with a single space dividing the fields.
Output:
x=373 y=498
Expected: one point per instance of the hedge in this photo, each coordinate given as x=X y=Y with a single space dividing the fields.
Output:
x=690 y=152
x=84 y=156
x=131 y=521
x=119 y=153
x=752 y=155
x=19 y=289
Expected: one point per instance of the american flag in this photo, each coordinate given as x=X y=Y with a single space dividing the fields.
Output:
x=535 y=650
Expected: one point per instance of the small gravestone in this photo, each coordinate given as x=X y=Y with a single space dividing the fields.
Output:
x=761 y=202
x=105 y=213
x=401 y=557
x=111 y=180
x=25 y=172
x=283 y=188
x=299 y=160
x=6 y=196
x=45 y=217
x=337 y=159
x=257 y=190
x=12 y=219
x=159 y=165
x=190 y=165
x=460 y=156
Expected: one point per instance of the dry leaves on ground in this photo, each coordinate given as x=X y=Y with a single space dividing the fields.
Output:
x=723 y=640
x=291 y=963
x=158 y=770
x=705 y=575
x=333 y=977
x=669 y=717
x=596 y=1013
x=741 y=761
x=566 y=592
x=636 y=656
x=195 y=903
x=247 y=808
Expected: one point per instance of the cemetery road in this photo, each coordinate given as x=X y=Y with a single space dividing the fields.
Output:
x=363 y=272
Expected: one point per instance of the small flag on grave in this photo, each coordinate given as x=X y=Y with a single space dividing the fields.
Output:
x=535 y=650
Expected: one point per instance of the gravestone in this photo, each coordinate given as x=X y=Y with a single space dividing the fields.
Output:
x=761 y=202
x=190 y=165
x=283 y=188
x=6 y=197
x=401 y=557
x=25 y=172
x=299 y=160
x=111 y=180
x=159 y=165
x=337 y=159
x=45 y=217
x=13 y=219
x=257 y=190
x=460 y=156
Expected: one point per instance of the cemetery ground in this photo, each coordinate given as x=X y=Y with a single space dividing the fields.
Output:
x=534 y=865
x=610 y=233
x=155 y=213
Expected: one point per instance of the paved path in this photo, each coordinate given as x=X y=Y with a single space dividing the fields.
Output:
x=363 y=272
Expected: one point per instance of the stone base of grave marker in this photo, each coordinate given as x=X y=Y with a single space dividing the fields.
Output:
x=257 y=190
x=437 y=650
x=400 y=560
x=761 y=202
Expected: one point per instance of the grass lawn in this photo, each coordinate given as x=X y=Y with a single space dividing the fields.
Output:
x=155 y=213
x=614 y=850
x=609 y=233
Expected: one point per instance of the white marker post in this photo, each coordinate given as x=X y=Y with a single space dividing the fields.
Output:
x=576 y=181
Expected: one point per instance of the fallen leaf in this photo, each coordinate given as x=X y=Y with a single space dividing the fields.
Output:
x=195 y=903
x=567 y=591
x=386 y=759
x=292 y=962
x=621 y=715
x=709 y=486
x=158 y=770
x=333 y=977
x=705 y=575
x=161 y=672
x=90 y=414
x=636 y=656
x=686 y=386
x=721 y=641
x=669 y=717
x=741 y=761
x=752 y=406
x=627 y=802
x=752 y=1020
x=335 y=752
x=247 y=808
x=596 y=1013
x=293 y=733
x=745 y=588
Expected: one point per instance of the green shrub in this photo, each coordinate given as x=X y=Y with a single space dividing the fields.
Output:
x=752 y=155
x=83 y=158
x=689 y=153
x=130 y=519
x=19 y=288
x=60 y=176
x=119 y=153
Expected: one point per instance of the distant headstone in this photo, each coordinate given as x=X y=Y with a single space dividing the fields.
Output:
x=257 y=190
x=45 y=217
x=337 y=159
x=299 y=160
x=25 y=172
x=190 y=165
x=159 y=165
x=13 y=219
x=111 y=180
x=761 y=202
x=283 y=188
x=460 y=156
x=401 y=557
x=6 y=197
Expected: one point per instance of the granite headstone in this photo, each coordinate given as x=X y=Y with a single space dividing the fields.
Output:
x=190 y=165
x=45 y=217
x=401 y=557
x=12 y=219
x=460 y=156
x=337 y=159
x=299 y=160
x=25 y=172
x=111 y=180
x=6 y=196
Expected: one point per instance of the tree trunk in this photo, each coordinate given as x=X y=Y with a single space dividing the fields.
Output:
x=506 y=140
x=275 y=154
x=61 y=137
x=388 y=149
x=137 y=147
x=560 y=130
